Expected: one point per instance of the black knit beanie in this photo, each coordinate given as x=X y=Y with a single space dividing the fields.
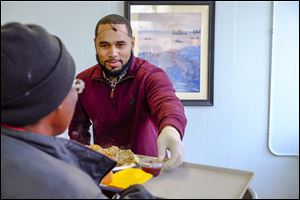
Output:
x=37 y=73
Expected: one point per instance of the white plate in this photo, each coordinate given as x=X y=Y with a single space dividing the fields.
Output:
x=115 y=169
x=136 y=158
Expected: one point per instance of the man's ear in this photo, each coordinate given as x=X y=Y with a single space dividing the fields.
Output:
x=133 y=43
x=95 y=42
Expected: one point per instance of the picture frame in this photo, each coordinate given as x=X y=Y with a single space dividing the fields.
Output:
x=177 y=36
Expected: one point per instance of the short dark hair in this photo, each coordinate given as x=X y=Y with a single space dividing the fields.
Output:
x=114 y=19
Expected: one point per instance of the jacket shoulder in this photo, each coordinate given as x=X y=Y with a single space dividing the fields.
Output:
x=145 y=66
x=94 y=70
x=46 y=176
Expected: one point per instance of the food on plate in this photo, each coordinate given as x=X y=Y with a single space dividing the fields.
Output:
x=129 y=176
x=122 y=157
x=96 y=147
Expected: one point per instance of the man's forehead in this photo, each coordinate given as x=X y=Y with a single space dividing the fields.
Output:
x=112 y=27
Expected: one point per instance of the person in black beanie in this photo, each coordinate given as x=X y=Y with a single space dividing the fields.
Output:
x=38 y=97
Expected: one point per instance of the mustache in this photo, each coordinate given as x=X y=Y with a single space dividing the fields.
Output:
x=114 y=60
x=118 y=72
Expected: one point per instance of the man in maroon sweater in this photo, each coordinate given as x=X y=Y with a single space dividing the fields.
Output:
x=130 y=102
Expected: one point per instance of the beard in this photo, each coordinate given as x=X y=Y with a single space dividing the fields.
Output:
x=115 y=73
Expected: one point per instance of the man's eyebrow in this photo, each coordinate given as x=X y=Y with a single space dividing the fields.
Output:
x=117 y=42
x=103 y=42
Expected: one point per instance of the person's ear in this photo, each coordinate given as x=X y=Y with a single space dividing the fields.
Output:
x=133 y=43
x=95 y=42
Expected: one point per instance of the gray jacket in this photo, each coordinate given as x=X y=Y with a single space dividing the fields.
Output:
x=38 y=166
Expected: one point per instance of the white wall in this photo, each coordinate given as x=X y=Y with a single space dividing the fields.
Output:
x=233 y=132
x=284 y=82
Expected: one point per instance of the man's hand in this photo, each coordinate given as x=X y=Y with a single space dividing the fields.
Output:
x=169 y=139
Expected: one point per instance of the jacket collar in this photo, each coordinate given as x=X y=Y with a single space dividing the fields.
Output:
x=74 y=153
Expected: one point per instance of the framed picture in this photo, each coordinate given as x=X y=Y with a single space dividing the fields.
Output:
x=177 y=36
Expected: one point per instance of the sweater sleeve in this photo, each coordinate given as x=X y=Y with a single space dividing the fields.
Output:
x=163 y=102
x=79 y=126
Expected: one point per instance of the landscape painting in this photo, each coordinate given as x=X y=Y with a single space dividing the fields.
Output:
x=173 y=46
x=177 y=37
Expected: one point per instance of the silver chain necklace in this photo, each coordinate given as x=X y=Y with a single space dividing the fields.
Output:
x=113 y=81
